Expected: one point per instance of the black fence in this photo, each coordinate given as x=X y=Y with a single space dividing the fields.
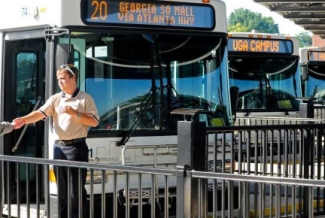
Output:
x=319 y=111
x=261 y=168
x=275 y=169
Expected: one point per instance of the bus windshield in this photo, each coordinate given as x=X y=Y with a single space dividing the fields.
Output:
x=315 y=86
x=265 y=83
x=136 y=80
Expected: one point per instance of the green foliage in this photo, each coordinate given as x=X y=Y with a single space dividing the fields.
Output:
x=305 y=39
x=244 y=20
x=238 y=27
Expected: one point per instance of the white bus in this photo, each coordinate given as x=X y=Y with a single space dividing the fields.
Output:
x=139 y=60
x=265 y=68
x=312 y=63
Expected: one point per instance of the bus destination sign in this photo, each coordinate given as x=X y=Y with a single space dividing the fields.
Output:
x=316 y=55
x=260 y=45
x=154 y=13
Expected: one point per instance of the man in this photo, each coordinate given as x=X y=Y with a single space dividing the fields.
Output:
x=73 y=111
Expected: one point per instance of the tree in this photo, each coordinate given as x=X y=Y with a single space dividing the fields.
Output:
x=305 y=39
x=238 y=27
x=244 y=20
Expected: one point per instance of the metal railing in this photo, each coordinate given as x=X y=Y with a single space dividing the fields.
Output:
x=269 y=168
x=116 y=204
x=262 y=149
x=319 y=111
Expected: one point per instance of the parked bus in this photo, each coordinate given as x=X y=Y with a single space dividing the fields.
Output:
x=265 y=68
x=312 y=63
x=139 y=60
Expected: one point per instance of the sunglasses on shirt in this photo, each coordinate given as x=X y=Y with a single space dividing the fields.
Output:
x=66 y=67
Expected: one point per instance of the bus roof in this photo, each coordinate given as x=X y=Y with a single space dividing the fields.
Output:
x=259 y=35
x=65 y=13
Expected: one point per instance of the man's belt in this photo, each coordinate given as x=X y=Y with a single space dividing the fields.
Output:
x=70 y=142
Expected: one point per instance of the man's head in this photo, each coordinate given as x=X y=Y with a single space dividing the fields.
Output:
x=67 y=76
x=71 y=70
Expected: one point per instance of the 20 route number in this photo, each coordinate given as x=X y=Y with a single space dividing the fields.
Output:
x=100 y=10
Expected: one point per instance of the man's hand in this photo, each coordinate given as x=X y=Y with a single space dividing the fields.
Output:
x=69 y=110
x=18 y=123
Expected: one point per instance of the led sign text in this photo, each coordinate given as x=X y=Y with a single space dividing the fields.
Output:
x=255 y=45
x=316 y=55
x=259 y=45
x=169 y=14
x=142 y=12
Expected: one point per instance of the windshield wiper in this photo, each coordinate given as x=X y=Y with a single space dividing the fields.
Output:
x=251 y=108
x=150 y=98
x=315 y=91
x=144 y=105
x=258 y=90
x=272 y=94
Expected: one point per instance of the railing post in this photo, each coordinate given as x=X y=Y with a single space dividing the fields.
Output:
x=191 y=155
x=306 y=109
x=2 y=191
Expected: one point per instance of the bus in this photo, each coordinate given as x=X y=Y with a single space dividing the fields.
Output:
x=312 y=64
x=265 y=68
x=139 y=60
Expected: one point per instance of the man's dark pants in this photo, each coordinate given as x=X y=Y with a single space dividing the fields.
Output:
x=72 y=152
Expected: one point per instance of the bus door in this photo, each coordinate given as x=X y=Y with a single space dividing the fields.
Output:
x=24 y=65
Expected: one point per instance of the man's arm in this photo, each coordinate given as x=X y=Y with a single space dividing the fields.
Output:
x=29 y=118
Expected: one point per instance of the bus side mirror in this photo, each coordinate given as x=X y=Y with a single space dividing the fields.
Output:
x=304 y=73
x=64 y=55
x=234 y=94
